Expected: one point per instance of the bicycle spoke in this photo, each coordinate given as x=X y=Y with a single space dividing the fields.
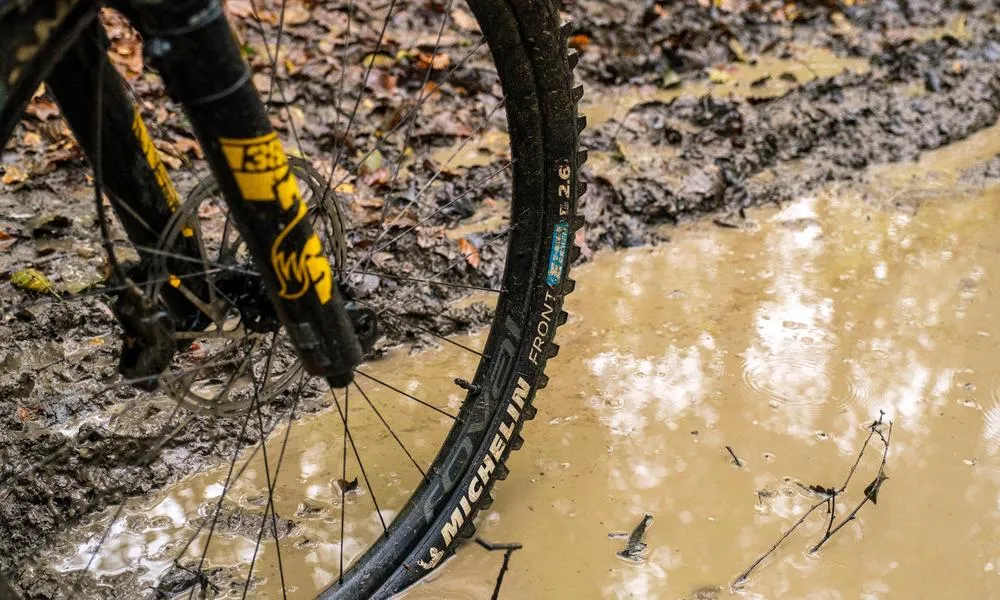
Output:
x=437 y=335
x=357 y=103
x=450 y=266
x=268 y=480
x=409 y=128
x=376 y=248
x=225 y=488
x=391 y=432
x=121 y=507
x=357 y=456
x=399 y=391
x=271 y=486
x=421 y=100
x=460 y=286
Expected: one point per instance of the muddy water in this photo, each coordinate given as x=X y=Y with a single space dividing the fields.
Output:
x=781 y=340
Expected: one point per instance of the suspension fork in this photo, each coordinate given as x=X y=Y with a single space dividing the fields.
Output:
x=133 y=175
x=190 y=43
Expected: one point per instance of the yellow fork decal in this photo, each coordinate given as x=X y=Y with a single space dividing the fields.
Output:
x=261 y=170
x=156 y=165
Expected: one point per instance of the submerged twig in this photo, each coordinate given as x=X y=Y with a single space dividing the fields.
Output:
x=508 y=550
x=736 y=459
x=829 y=497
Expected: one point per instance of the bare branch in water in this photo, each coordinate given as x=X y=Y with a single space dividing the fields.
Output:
x=829 y=497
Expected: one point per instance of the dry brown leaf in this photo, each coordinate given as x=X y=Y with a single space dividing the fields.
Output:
x=470 y=252
x=579 y=41
x=13 y=175
x=239 y=8
x=31 y=139
x=464 y=20
x=437 y=61
x=296 y=14
x=25 y=413
x=42 y=108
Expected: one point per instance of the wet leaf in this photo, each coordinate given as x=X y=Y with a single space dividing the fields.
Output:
x=188 y=146
x=32 y=139
x=32 y=280
x=737 y=49
x=42 y=108
x=871 y=492
x=25 y=413
x=717 y=76
x=344 y=486
x=373 y=162
x=471 y=252
x=464 y=20
x=49 y=225
x=670 y=79
x=821 y=490
x=13 y=175
x=239 y=8
x=296 y=14
x=436 y=61
x=579 y=41
x=379 y=61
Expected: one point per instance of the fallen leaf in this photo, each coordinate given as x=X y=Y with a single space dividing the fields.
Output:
x=470 y=251
x=32 y=280
x=579 y=41
x=189 y=146
x=239 y=8
x=296 y=14
x=671 y=79
x=717 y=76
x=13 y=175
x=373 y=162
x=42 y=108
x=379 y=61
x=32 y=139
x=464 y=20
x=737 y=49
x=436 y=61
x=27 y=414
x=49 y=225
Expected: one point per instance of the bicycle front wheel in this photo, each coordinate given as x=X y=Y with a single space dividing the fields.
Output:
x=454 y=168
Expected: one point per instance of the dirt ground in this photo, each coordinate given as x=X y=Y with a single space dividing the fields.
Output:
x=696 y=112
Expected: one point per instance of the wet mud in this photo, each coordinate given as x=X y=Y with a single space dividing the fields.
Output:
x=709 y=390
x=696 y=114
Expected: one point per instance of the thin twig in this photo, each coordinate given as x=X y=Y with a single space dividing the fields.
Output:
x=829 y=497
x=736 y=459
x=508 y=550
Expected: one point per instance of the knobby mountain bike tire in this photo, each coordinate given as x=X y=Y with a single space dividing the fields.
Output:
x=529 y=49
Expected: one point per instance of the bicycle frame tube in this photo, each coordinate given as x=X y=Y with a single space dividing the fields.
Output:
x=190 y=42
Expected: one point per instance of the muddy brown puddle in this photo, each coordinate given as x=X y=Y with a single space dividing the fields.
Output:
x=782 y=339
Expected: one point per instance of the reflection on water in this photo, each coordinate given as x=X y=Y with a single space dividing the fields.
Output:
x=782 y=340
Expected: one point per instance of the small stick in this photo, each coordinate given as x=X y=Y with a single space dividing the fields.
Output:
x=508 y=550
x=830 y=497
x=736 y=459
